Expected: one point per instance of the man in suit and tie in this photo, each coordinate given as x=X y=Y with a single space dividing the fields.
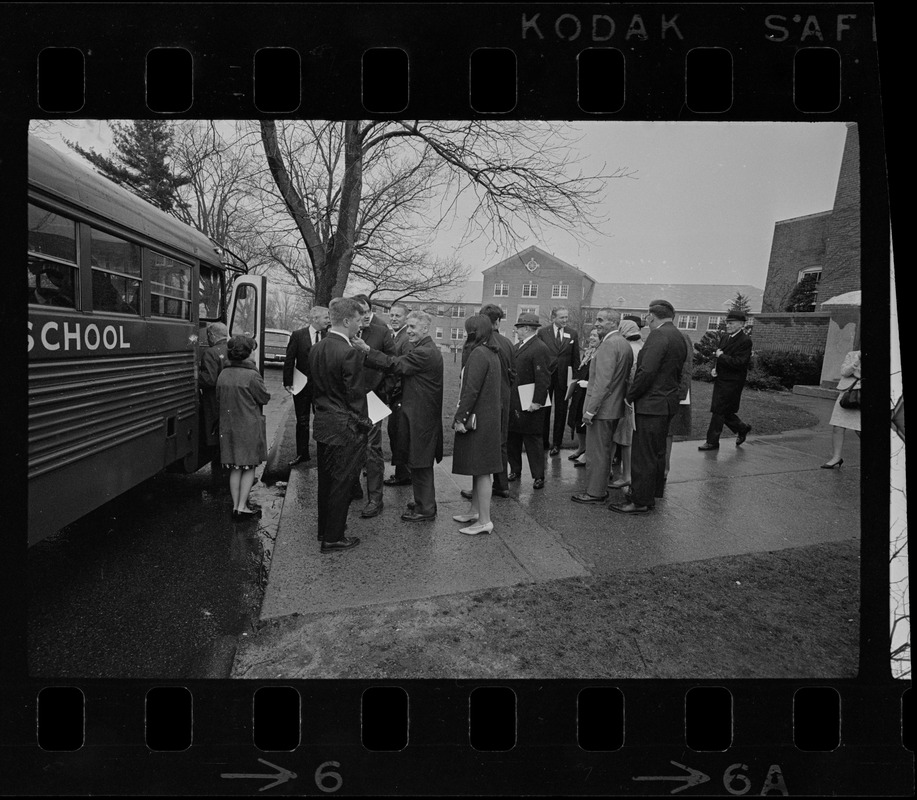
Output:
x=341 y=422
x=730 y=368
x=494 y=313
x=563 y=345
x=603 y=407
x=378 y=336
x=398 y=321
x=526 y=425
x=420 y=431
x=297 y=357
x=654 y=393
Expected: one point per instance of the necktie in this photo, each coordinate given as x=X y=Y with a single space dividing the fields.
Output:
x=557 y=335
x=317 y=336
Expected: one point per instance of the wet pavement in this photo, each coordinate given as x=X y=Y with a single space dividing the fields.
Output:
x=767 y=495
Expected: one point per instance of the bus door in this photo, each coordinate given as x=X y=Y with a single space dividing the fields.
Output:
x=246 y=312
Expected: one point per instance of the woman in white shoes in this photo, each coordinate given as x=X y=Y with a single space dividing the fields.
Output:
x=477 y=422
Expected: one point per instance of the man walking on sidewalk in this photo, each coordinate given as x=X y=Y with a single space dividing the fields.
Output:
x=730 y=368
x=341 y=422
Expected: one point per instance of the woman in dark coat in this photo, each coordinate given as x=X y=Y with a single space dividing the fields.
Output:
x=243 y=437
x=477 y=449
x=576 y=394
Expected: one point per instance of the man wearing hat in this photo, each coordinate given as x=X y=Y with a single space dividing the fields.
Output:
x=526 y=425
x=730 y=367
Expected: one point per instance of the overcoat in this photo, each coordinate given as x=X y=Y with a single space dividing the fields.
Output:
x=478 y=451
x=241 y=394
x=609 y=375
x=378 y=336
x=213 y=362
x=533 y=365
x=731 y=371
x=655 y=385
x=420 y=426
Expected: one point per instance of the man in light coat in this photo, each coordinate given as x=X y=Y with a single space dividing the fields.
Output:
x=603 y=407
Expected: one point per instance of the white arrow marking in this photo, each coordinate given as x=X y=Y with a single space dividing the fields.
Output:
x=282 y=775
x=693 y=778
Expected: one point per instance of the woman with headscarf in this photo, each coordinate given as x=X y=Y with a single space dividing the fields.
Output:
x=844 y=419
x=213 y=361
x=624 y=430
x=243 y=437
x=576 y=395
x=477 y=450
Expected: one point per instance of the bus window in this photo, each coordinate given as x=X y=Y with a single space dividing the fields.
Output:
x=244 y=322
x=211 y=293
x=52 y=259
x=170 y=288
x=115 y=273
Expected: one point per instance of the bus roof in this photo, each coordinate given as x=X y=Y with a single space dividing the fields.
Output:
x=66 y=178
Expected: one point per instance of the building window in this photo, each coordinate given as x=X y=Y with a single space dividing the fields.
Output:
x=713 y=323
x=457 y=333
x=530 y=290
x=621 y=302
x=687 y=322
x=560 y=290
x=457 y=311
x=588 y=317
x=439 y=333
x=170 y=288
x=115 y=273
x=53 y=278
x=440 y=311
x=501 y=289
x=528 y=310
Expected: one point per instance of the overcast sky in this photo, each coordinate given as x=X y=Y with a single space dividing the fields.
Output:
x=700 y=209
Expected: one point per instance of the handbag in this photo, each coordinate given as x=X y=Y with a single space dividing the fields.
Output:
x=850 y=399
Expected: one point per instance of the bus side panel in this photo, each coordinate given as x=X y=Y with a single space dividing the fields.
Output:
x=58 y=498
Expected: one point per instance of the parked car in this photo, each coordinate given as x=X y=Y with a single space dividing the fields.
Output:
x=275 y=345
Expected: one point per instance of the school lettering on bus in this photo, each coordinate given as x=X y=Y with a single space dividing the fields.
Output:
x=63 y=336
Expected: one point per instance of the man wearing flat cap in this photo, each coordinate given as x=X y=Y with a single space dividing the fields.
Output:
x=526 y=425
x=730 y=368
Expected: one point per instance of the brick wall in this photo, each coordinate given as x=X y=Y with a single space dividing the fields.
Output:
x=801 y=333
x=842 y=256
x=798 y=244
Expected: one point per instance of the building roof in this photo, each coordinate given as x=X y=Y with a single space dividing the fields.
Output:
x=533 y=250
x=708 y=297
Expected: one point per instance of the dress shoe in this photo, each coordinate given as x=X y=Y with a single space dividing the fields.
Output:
x=371 y=510
x=413 y=516
x=742 y=434
x=708 y=446
x=573 y=457
x=343 y=544
x=299 y=460
x=585 y=497
x=467 y=494
x=393 y=481
x=513 y=476
x=554 y=451
x=251 y=506
x=580 y=464
x=474 y=530
x=500 y=493
x=465 y=517
x=836 y=465
x=629 y=508
x=539 y=483
x=618 y=484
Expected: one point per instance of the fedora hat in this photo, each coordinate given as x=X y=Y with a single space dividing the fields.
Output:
x=528 y=319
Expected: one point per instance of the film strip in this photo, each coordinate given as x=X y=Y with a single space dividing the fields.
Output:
x=607 y=734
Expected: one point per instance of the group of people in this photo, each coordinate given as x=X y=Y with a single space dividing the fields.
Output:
x=625 y=397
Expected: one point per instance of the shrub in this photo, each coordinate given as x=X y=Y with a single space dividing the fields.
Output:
x=701 y=372
x=759 y=379
x=706 y=347
x=790 y=368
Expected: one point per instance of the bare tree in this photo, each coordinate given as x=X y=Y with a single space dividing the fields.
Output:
x=357 y=190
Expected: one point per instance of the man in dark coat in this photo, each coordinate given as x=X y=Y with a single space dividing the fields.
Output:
x=507 y=385
x=213 y=360
x=398 y=320
x=563 y=345
x=420 y=431
x=341 y=422
x=378 y=336
x=654 y=393
x=526 y=425
x=297 y=357
x=730 y=368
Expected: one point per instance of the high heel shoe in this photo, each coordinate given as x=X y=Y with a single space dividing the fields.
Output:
x=465 y=517
x=574 y=457
x=832 y=466
x=474 y=530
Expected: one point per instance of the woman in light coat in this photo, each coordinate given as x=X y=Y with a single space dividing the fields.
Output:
x=844 y=419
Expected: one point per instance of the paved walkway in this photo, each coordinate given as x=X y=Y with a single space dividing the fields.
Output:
x=767 y=495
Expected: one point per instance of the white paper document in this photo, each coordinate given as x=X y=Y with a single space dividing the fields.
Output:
x=299 y=381
x=569 y=375
x=376 y=410
x=526 y=393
